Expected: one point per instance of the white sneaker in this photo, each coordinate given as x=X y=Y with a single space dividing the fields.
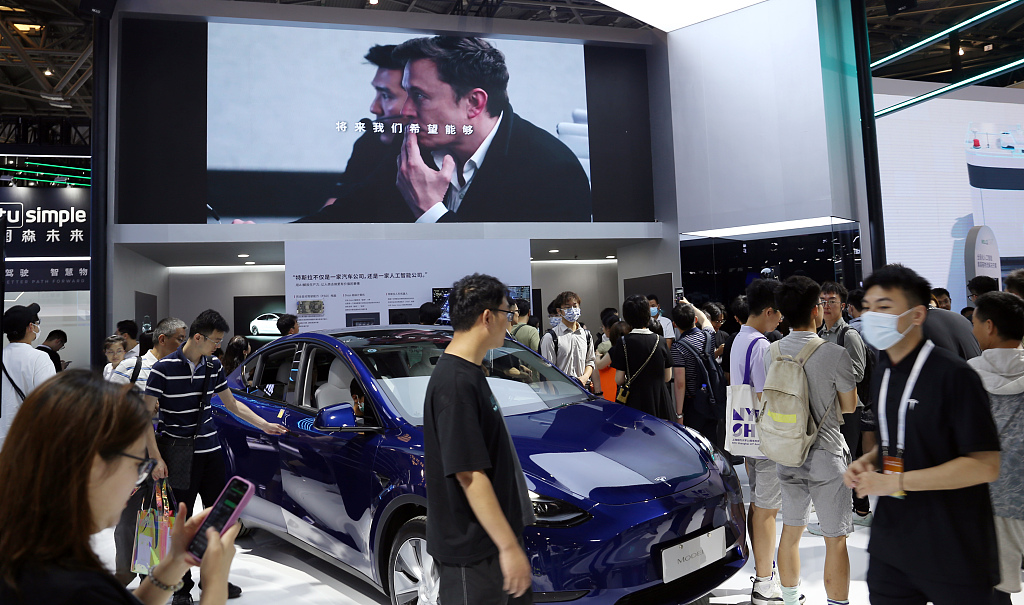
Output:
x=766 y=592
x=815 y=530
x=863 y=521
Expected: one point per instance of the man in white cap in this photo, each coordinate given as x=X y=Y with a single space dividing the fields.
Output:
x=24 y=366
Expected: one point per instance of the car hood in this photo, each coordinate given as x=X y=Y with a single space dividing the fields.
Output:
x=605 y=452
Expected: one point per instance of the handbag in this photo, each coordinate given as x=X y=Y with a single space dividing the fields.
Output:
x=177 y=452
x=741 y=416
x=153 y=529
x=623 y=394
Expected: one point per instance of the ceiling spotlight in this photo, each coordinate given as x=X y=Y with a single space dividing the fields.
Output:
x=555 y=251
x=373 y=2
x=243 y=256
x=47 y=73
x=961 y=52
x=250 y=262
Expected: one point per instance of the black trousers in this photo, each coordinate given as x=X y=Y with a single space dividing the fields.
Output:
x=208 y=480
x=888 y=585
x=712 y=428
x=124 y=533
x=851 y=432
x=479 y=583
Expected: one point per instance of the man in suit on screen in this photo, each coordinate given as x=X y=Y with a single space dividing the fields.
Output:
x=466 y=156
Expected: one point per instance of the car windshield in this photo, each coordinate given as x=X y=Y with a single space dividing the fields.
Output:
x=521 y=380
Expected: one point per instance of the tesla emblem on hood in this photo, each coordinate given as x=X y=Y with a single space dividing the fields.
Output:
x=661 y=479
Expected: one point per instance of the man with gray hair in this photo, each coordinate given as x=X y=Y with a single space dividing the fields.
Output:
x=168 y=335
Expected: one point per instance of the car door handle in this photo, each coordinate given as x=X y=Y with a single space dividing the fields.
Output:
x=259 y=443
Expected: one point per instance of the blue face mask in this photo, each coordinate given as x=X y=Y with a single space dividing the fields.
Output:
x=881 y=329
x=554 y=321
x=655 y=311
x=572 y=314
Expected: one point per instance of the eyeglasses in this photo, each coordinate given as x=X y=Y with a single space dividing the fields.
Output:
x=146 y=466
x=216 y=342
x=831 y=303
x=507 y=313
x=973 y=297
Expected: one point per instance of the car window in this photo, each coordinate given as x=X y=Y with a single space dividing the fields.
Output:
x=278 y=374
x=521 y=380
x=329 y=381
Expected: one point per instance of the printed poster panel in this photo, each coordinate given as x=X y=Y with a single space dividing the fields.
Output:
x=341 y=284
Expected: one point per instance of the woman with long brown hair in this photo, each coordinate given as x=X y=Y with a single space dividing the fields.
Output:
x=73 y=454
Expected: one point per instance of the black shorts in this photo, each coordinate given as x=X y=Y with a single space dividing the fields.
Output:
x=888 y=585
x=479 y=583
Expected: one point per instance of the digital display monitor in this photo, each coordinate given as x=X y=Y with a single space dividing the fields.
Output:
x=318 y=123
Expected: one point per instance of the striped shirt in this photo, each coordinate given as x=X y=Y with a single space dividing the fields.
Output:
x=123 y=372
x=683 y=358
x=177 y=385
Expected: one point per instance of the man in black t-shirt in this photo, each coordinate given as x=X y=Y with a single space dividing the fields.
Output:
x=935 y=541
x=477 y=500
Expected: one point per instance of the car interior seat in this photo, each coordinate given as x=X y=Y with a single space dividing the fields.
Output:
x=336 y=389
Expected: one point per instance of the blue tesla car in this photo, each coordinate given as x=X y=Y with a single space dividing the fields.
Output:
x=630 y=509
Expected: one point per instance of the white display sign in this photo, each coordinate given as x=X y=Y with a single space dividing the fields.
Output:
x=338 y=284
x=981 y=254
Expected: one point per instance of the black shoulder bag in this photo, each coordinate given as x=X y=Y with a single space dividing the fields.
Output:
x=177 y=452
x=17 y=389
x=623 y=395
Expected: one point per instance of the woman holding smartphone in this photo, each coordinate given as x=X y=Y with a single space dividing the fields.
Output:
x=74 y=453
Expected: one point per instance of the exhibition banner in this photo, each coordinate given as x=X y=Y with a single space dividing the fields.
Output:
x=47 y=238
x=337 y=284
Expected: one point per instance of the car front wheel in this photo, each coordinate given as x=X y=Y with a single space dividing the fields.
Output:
x=413 y=576
x=255 y=331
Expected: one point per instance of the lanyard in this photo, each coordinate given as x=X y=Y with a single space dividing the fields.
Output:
x=883 y=394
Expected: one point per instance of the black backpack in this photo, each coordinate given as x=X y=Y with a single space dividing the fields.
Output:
x=554 y=341
x=710 y=397
x=870 y=359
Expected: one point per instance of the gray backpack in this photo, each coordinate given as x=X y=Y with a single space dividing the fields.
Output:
x=785 y=424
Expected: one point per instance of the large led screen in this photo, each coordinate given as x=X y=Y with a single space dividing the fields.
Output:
x=285 y=123
x=946 y=166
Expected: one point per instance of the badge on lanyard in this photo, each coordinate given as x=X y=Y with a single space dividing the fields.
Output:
x=893 y=465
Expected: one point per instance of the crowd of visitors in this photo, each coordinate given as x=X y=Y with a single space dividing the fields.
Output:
x=884 y=391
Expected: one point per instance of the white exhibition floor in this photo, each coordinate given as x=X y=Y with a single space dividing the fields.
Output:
x=270 y=570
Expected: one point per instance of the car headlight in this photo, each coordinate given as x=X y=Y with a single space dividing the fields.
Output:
x=551 y=512
x=717 y=456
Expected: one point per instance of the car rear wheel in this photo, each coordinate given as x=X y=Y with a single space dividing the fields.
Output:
x=413 y=576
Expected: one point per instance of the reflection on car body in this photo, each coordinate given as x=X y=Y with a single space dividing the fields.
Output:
x=613 y=489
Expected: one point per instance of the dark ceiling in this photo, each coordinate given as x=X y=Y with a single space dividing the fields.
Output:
x=41 y=35
x=1003 y=32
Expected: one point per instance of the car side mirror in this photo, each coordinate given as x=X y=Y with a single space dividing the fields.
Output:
x=335 y=418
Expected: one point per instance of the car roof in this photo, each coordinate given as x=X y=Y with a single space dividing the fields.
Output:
x=362 y=330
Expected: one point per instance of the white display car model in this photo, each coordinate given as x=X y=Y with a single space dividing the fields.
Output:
x=264 y=324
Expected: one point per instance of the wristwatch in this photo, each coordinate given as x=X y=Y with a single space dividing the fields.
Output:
x=679 y=415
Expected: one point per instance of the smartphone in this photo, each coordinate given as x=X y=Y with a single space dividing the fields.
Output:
x=225 y=513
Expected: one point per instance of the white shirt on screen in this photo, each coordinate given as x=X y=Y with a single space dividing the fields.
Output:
x=458 y=191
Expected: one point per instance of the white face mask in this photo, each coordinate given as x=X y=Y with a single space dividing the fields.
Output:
x=881 y=329
x=554 y=321
x=572 y=314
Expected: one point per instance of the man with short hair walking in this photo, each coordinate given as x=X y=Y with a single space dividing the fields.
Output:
x=932 y=538
x=180 y=386
x=747 y=366
x=832 y=391
x=999 y=327
x=477 y=497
